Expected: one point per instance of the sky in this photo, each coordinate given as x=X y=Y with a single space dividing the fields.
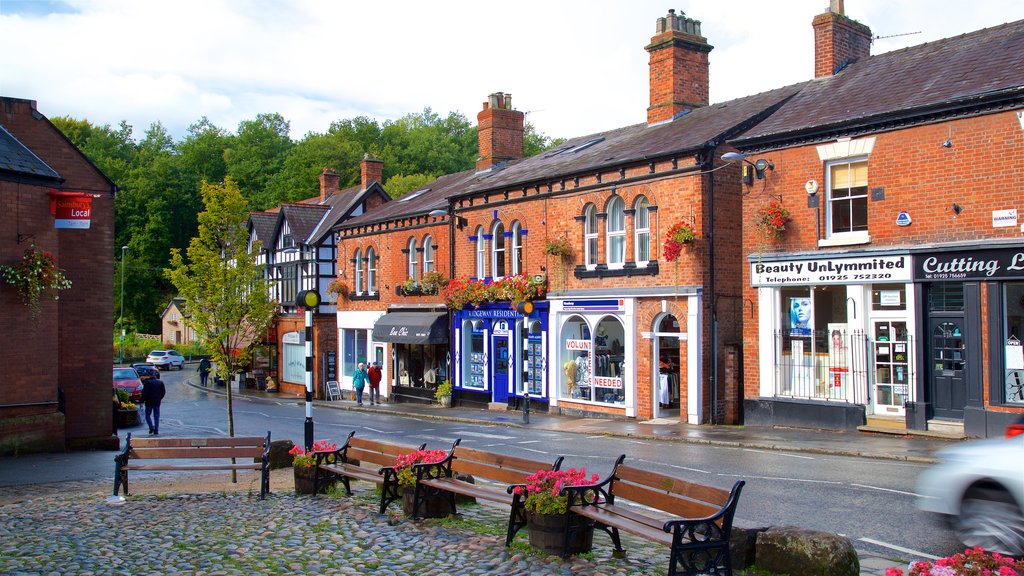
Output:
x=576 y=67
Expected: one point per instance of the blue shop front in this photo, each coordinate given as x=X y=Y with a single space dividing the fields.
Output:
x=499 y=356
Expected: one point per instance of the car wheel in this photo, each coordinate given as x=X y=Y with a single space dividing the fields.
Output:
x=991 y=519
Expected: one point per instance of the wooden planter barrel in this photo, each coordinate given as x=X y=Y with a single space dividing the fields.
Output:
x=547 y=533
x=304 y=481
x=432 y=506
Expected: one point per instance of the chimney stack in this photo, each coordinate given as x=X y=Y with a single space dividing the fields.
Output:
x=679 y=67
x=329 y=183
x=838 y=40
x=499 y=131
x=371 y=170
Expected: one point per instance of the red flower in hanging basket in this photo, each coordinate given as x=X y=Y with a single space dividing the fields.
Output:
x=772 y=219
x=677 y=238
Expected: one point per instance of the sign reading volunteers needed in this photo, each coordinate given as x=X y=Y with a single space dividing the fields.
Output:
x=831 y=271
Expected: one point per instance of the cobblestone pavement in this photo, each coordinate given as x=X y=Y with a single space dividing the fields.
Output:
x=72 y=529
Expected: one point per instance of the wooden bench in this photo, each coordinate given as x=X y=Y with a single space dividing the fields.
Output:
x=693 y=520
x=345 y=463
x=254 y=452
x=507 y=471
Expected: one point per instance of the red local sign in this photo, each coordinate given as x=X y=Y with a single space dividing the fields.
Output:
x=73 y=212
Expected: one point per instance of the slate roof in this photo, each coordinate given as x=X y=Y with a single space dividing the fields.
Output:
x=17 y=158
x=265 y=223
x=341 y=203
x=686 y=135
x=930 y=78
x=303 y=218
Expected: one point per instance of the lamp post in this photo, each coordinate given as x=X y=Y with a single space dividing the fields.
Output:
x=120 y=352
x=309 y=300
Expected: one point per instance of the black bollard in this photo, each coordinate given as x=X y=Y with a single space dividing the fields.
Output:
x=526 y=406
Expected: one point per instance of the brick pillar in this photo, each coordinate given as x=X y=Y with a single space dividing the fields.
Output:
x=678 y=67
x=329 y=183
x=838 y=41
x=371 y=170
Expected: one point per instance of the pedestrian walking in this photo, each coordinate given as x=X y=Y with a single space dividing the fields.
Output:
x=152 y=393
x=204 y=370
x=359 y=382
x=374 y=374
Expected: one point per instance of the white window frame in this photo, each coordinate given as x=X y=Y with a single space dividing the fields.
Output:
x=358 y=266
x=615 y=233
x=641 y=230
x=590 y=236
x=498 y=264
x=481 y=254
x=371 y=271
x=517 y=248
x=413 y=260
x=428 y=254
x=851 y=235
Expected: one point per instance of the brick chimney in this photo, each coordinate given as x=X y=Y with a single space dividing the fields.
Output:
x=679 y=67
x=329 y=183
x=838 y=40
x=371 y=170
x=500 y=131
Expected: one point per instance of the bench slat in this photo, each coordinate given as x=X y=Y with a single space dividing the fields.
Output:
x=182 y=452
x=643 y=530
x=523 y=465
x=667 y=502
x=227 y=466
x=690 y=490
x=491 y=493
x=212 y=442
x=354 y=472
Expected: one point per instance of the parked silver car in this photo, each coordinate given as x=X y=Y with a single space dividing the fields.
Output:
x=979 y=487
x=166 y=359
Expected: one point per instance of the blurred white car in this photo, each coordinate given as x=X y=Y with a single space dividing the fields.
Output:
x=166 y=359
x=979 y=487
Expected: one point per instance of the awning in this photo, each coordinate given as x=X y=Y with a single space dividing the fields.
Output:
x=412 y=328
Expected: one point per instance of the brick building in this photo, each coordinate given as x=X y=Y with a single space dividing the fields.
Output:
x=55 y=388
x=621 y=332
x=895 y=294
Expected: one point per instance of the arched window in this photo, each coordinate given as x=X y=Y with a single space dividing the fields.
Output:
x=498 y=251
x=517 y=248
x=413 y=256
x=616 y=232
x=358 y=265
x=590 y=235
x=481 y=253
x=428 y=254
x=641 y=231
x=371 y=271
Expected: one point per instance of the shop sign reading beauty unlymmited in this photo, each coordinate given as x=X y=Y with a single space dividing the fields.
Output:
x=831 y=271
x=1007 y=263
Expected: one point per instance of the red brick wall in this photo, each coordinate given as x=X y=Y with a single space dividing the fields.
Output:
x=70 y=344
x=979 y=172
x=500 y=131
x=837 y=41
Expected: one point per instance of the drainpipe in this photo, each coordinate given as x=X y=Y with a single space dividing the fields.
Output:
x=708 y=165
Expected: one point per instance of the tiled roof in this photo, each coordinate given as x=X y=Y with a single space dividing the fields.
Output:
x=685 y=135
x=265 y=223
x=16 y=157
x=946 y=73
x=303 y=218
x=340 y=204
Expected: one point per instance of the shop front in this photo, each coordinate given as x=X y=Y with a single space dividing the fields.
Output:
x=499 y=355
x=838 y=337
x=973 y=320
x=419 y=351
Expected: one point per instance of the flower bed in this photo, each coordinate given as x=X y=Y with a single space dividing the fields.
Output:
x=972 y=562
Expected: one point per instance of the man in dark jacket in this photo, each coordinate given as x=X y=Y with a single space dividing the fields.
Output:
x=152 y=393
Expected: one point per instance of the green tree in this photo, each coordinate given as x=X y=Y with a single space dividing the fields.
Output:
x=299 y=177
x=202 y=152
x=400 y=185
x=224 y=290
x=255 y=154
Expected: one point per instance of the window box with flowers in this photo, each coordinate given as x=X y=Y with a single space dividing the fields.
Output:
x=304 y=466
x=547 y=511
x=433 y=282
x=407 y=468
x=37 y=272
x=462 y=292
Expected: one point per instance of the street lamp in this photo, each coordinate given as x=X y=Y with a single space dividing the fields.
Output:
x=120 y=353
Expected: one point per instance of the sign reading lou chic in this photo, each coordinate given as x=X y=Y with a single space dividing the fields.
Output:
x=831 y=271
x=1005 y=263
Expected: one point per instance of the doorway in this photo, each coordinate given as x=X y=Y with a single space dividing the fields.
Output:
x=947 y=386
x=500 y=352
x=667 y=346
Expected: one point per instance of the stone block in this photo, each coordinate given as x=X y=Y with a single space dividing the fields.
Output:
x=791 y=550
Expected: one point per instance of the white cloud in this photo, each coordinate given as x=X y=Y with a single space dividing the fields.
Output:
x=576 y=66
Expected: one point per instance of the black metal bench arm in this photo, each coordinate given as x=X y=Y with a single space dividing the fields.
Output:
x=591 y=494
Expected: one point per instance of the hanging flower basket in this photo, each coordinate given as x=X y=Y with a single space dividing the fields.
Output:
x=338 y=287
x=559 y=247
x=772 y=219
x=678 y=237
x=36 y=272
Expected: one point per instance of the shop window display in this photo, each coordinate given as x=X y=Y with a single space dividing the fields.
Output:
x=592 y=362
x=475 y=367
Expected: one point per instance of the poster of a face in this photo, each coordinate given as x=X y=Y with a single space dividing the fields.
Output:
x=800 y=321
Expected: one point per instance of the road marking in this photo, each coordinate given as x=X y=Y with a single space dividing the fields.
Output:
x=532 y=450
x=779 y=453
x=484 y=435
x=886 y=490
x=899 y=548
x=783 y=478
x=528 y=442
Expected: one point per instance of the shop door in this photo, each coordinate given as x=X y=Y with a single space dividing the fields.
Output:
x=501 y=359
x=947 y=388
x=890 y=354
